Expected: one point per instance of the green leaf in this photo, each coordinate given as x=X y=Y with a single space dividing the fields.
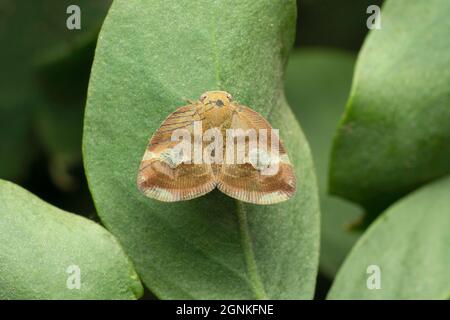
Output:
x=150 y=57
x=38 y=244
x=317 y=85
x=395 y=133
x=410 y=244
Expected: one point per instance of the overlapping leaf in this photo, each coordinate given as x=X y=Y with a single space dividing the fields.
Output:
x=396 y=131
x=409 y=245
x=46 y=252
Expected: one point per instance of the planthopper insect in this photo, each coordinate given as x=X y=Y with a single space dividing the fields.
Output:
x=216 y=143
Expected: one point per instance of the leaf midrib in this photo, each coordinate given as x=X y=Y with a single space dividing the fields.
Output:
x=247 y=247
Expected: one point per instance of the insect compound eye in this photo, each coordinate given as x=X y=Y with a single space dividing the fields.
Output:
x=202 y=97
x=229 y=97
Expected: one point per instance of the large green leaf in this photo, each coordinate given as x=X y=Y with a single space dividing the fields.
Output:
x=317 y=85
x=396 y=131
x=410 y=244
x=39 y=243
x=150 y=57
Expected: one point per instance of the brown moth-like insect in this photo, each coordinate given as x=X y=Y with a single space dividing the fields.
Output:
x=255 y=173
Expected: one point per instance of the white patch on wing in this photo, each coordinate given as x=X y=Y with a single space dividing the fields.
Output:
x=273 y=197
x=172 y=157
x=159 y=194
x=149 y=155
x=285 y=159
x=261 y=159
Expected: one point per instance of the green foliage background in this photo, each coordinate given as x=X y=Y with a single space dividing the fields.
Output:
x=374 y=109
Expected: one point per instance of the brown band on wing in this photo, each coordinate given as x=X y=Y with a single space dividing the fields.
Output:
x=187 y=181
x=173 y=122
x=245 y=183
x=256 y=121
x=159 y=180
